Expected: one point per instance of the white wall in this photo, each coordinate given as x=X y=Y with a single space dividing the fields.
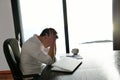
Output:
x=6 y=29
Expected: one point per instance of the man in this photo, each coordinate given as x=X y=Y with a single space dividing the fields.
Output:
x=38 y=51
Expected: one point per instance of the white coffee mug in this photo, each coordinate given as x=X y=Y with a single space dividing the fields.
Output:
x=75 y=51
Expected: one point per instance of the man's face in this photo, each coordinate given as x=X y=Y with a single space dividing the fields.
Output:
x=50 y=39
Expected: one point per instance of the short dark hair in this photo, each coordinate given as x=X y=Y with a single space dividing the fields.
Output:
x=47 y=31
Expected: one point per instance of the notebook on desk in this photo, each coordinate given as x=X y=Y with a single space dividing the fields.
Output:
x=66 y=64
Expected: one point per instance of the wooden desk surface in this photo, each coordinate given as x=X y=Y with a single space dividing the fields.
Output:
x=97 y=64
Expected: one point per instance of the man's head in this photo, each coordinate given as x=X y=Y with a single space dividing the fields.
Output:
x=48 y=36
x=47 y=31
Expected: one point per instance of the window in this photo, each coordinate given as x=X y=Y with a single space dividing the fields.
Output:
x=39 y=14
x=89 y=20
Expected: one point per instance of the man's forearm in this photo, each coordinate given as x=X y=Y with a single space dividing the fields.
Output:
x=51 y=52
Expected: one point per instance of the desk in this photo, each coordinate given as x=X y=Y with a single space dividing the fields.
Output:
x=94 y=67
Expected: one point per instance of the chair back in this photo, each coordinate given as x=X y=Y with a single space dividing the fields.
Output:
x=11 y=50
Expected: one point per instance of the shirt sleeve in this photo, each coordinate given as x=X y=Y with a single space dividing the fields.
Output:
x=40 y=55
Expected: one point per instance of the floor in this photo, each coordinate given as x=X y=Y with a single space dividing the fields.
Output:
x=5 y=75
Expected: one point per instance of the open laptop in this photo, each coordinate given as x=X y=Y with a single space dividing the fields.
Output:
x=66 y=64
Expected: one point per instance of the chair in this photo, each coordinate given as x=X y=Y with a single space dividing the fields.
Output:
x=11 y=50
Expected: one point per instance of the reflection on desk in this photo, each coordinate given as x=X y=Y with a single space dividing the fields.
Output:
x=100 y=66
x=84 y=72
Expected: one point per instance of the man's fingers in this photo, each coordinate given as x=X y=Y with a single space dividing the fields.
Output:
x=51 y=33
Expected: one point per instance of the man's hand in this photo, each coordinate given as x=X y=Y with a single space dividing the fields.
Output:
x=52 y=38
x=52 y=43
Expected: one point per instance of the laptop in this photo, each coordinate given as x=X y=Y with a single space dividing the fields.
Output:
x=66 y=64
